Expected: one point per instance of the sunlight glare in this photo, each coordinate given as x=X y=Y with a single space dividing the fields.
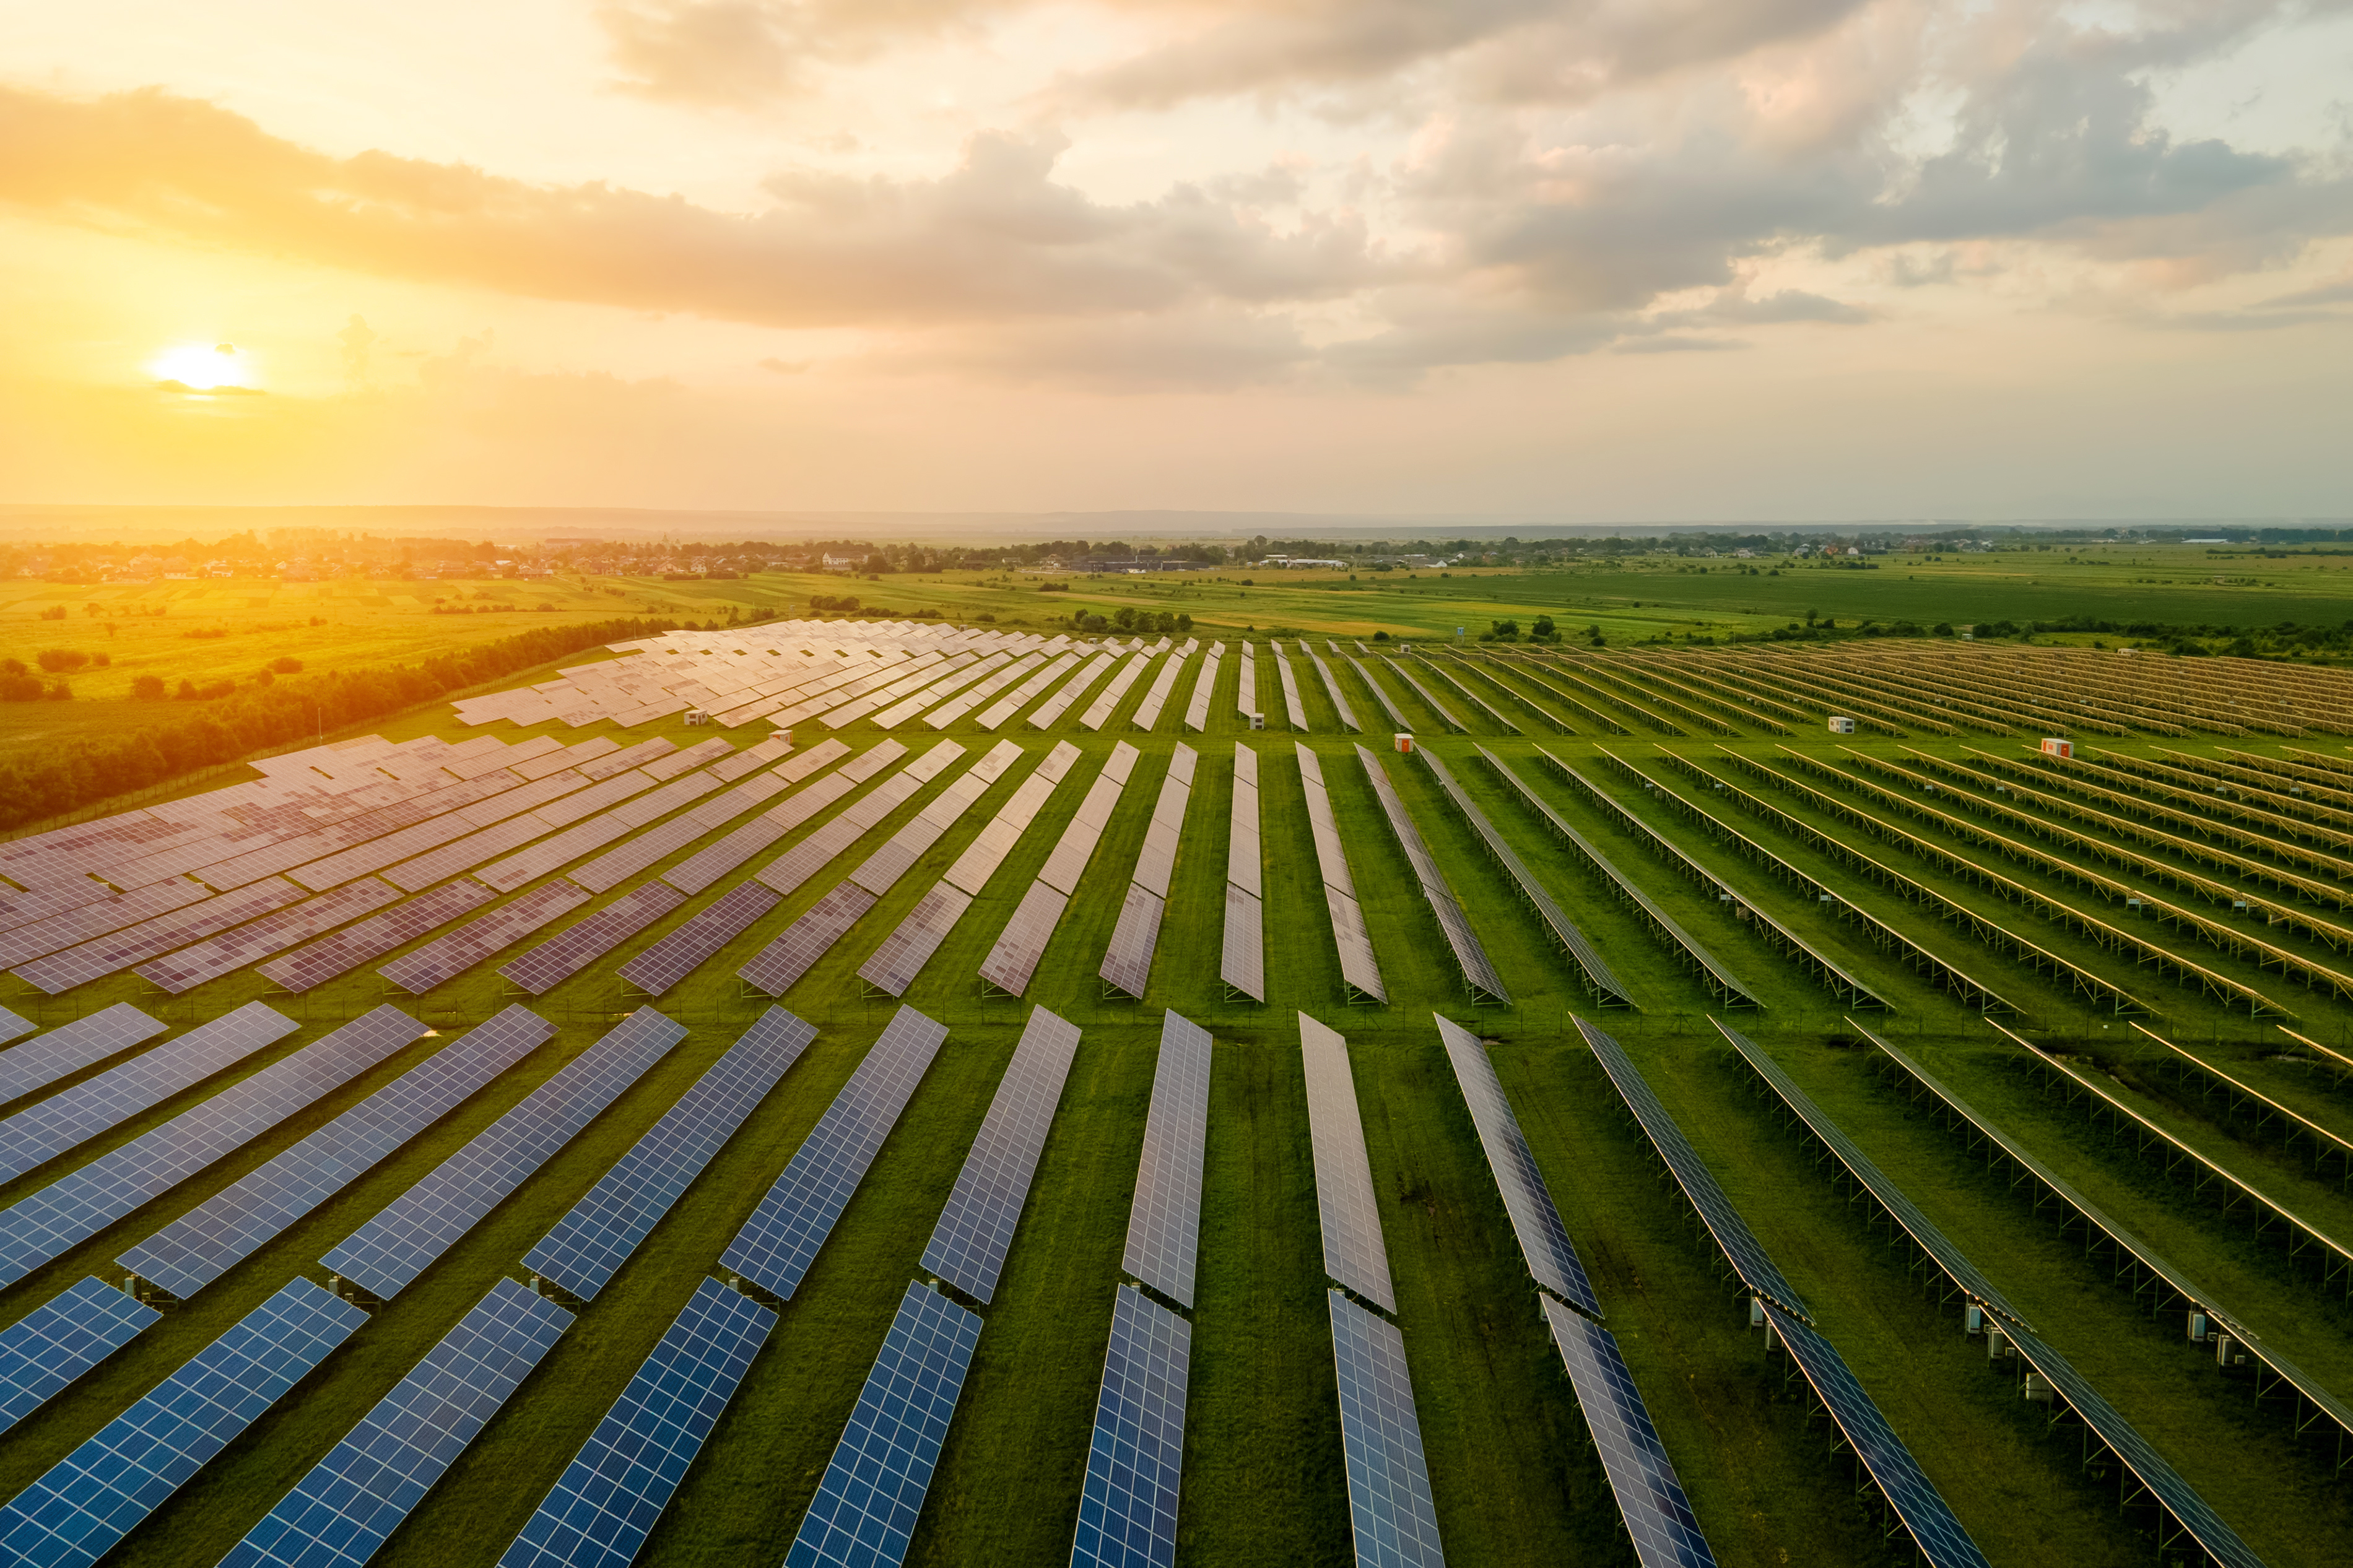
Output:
x=203 y=367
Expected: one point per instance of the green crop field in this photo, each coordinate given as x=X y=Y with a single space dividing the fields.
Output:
x=1514 y=1479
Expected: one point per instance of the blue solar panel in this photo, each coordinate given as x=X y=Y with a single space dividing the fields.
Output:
x=603 y=1228
x=1163 y=1229
x=1389 y=1506
x=1908 y=1491
x=392 y=1250
x=976 y=1230
x=666 y=962
x=571 y=950
x=96 y=1495
x=339 y=1514
x=866 y=1507
x=58 y=1340
x=1651 y=1499
x=52 y=1126
x=1354 y=1251
x=1127 y=1510
x=76 y=1207
x=12 y=1026
x=1535 y=1220
x=37 y=1063
x=227 y=1228
x=600 y=1509
x=778 y=1244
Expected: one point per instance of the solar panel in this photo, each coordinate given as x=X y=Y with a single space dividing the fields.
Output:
x=1739 y=1244
x=558 y=959
x=1354 y=1253
x=227 y=1228
x=796 y=866
x=1478 y=971
x=908 y=948
x=386 y=1254
x=600 y=1511
x=1127 y=1507
x=273 y=934
x=1349 y=938
x=1196 y=710
x=73 y=1046
x=78 y=1205
x=1155 y=696
x=1388 y=706
x=1243 y=855
x=344 y=1511
x=599 y=1233
x=1650 y=1501
x=98 y=1493
x=1396 y=668
x=1164 y=1229
x=1013 y=702
x=1054 y=707
x=1022 y=943
x=153 y=938
x=97 y=918
x=1106 y=703
x=1914 y=1499
x=775 y=1247
x=1242 y=959
x=13 y=1028
x=780 y=965
x=1331 y=687
x=658 y=843
x=1127 y=963
x=691 y=946
x=59 y=1340
x=49 y=1126
x=308 y=967
x=864 y=1513
x=1535 y=1220
x=1390 y=1508
x=1291 y=706
x=987 y=852
x=975 y=1229
x=484 y=937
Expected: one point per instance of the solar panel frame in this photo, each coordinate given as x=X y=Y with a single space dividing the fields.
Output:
x=661 y=965
x=1127 y=962
x=69 y=1047
x=98 y=1493
x=78 y=1205
x=1332 y=687
x=584 y=1249
x=484 y=937
x=1354 y=1251
x=1650 y=1499
x=602 y=1508
x=1551 y=1257
x=910 y=946
x=1128 y=1503
x=248 y=944
x=1390 y=1511
x=573 y=948
x=1014 y=959
x=97 y=917
x=340 y=1513
x=14 y=1028
x=1146 y=716
x=384 y=1256
x=1241 y=957
x=62 y=1338
x=223 y=1230
x=1292 y=707
x=775 y=1245
x=1163 y=1227
x=871 y=1495
x=1478 y=971
x=1196 y=710
x=102 y=956
x=1388 y=705
x=779 y=967
x=975 y=1232
x=307 y=968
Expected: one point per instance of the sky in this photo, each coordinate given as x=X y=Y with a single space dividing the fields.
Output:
x=1578 y=260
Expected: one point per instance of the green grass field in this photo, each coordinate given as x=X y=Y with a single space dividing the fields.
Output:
x=1514 y=1477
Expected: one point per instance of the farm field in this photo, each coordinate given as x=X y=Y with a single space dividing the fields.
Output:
x=2172 y=902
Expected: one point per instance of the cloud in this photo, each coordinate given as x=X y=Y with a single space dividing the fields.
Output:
x=1209 y=350
x=783 y=366
x=2338 y=293
x=1675 y=344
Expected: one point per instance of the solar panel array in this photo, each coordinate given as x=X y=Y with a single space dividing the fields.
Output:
x=1354 y=1253
x=346 y=950
x=97 y=918
x=1331 y=687
x=1291 y=706
x=14 y=1028
x=1107 y=701
x=777 y=967
x=950 y=711
x=1535 y=1220
x=1463 y=690
x=1196 y=710
x=1164 y=1229
x=864 y=1513
x=1354 y=945
x=912 y=943
x=1128 y=963
x=599 y=1232
x=149 y=939
x=915 y=703
x=72 y=1047
x=49 y=1128
x=975 y=1229
x=1246 y=687
x=1389 y=704
x=1155 y=696
x=1242 y=962
x=775 y=1247
x=1649 y=1495
x=484 y=937
x=604 y=1505
x=59 y=1340
x=796 y=866
x=1478 y=971
x=273 y=934
x=384 y=1256
x=707 y=865
x=351 y=1502
x=1013 y=702
x=1396 y=667
x=1390 y=1508
x=1022 y=943
x=78 y=1205
x=1914 y=1499
x=1055 y=706
x=1127 y=1507
x=570 y=950
x=1741 y=1248
x=215 y=1236
x=594 y=833
x=691 y=946
x=96 y=1495
x=972 y=870
x=882 y=869
x=658 y=843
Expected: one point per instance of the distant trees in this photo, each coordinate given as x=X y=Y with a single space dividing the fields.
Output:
x=148 y=688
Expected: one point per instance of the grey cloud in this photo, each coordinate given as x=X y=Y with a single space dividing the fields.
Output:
x=2327 y=294
x=1675 y=344
x=1214 y=348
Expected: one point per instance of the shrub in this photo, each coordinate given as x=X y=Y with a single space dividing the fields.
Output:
x=148 y=688
x=57 y=658
x=207 y=632
x=54 y=613
x=58 y=691
x=17 y=686
x=285 y=666
x=102 y=659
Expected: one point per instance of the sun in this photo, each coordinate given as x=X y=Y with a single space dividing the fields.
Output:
x=202 y=367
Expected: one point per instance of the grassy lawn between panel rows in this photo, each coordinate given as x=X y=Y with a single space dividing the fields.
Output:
x=1513 y=1480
